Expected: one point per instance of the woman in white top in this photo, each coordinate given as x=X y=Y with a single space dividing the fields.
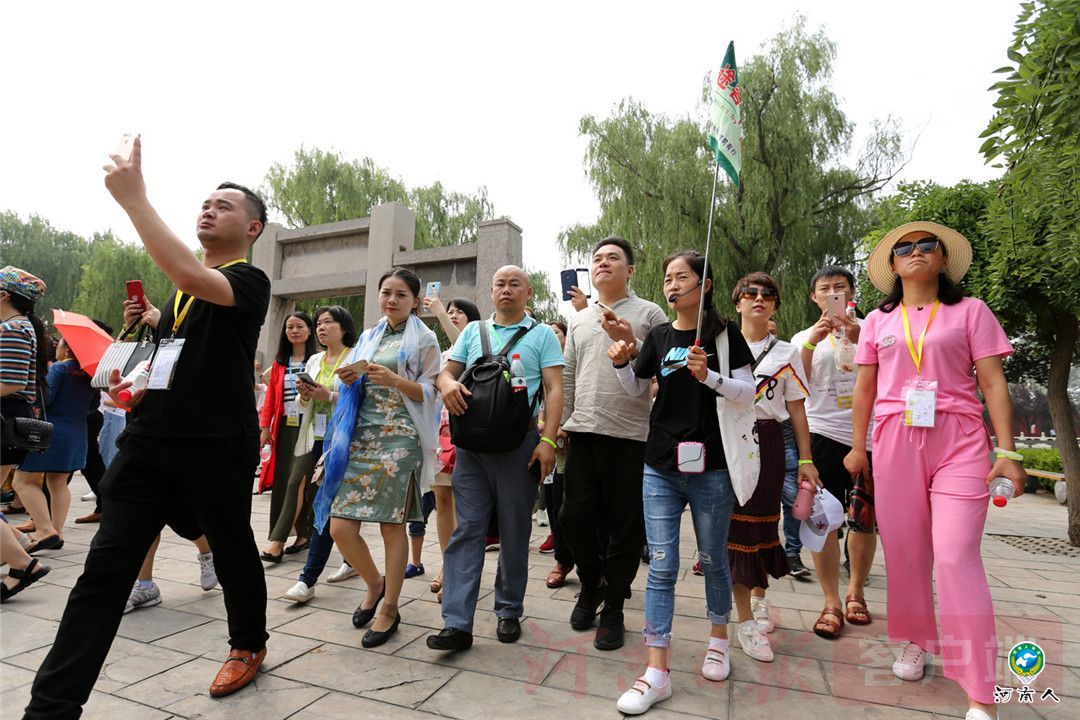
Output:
x=754 y=548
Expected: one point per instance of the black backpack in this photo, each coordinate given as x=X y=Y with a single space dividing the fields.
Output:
x=497 y=418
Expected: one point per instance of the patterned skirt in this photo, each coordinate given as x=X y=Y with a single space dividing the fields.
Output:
x=754 y=549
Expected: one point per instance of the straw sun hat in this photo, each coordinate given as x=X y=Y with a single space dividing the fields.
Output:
x=957 y=250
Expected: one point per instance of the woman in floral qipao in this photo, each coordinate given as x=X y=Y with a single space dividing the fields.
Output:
x=391 y=453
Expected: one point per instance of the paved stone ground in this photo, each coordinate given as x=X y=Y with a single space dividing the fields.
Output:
x=164 y=658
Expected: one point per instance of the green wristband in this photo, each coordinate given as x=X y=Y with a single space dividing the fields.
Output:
x=549 y=441
x=805 y=462
x=809 y=345
x=1011 y=455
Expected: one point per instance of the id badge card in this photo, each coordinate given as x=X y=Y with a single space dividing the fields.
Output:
x=845 y=391
x=690 y=457
x=920 y=403
x=550 y=479
x=320 y=425
x=292 y=414
x=164 y=365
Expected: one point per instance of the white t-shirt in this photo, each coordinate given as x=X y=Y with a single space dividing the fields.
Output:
x=779 y=378
x=828 y=411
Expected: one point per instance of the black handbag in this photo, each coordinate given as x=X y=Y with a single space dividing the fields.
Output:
x=28 y=434
x=124 y=355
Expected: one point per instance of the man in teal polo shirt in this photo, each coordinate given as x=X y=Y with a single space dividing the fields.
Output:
x=503 y=483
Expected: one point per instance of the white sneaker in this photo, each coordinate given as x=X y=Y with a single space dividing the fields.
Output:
x=143 y=597
x=207 y=573
x=89 y=497
x=759 y=607
x=642 y=696
x=911 y=663
x=343 y=573
x=717 y=665
x=541 y=518
x=753 y=641
x=977 y=714
x=300 y=592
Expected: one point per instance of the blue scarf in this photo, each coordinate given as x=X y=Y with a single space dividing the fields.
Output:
x=336 y=447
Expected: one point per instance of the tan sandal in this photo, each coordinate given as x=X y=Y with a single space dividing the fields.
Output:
x=826 y=627
x=860 y=615
x=435 y=585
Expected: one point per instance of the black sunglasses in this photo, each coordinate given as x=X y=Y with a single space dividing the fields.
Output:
x=926 y=245
x=749 y=293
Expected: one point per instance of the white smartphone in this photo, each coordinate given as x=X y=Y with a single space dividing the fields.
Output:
x=125 y=147
x=609 y=314
x=836 y=304
x=433 y=289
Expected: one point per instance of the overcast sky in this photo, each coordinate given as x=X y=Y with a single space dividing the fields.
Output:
x=471 y=94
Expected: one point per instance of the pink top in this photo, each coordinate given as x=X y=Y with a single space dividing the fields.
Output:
x=960 y=335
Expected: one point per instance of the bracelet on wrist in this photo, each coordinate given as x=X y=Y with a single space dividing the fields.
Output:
x=809 y=345
x=620 y=367
x=1010 y=454
x=549 y=441
x=805 y=462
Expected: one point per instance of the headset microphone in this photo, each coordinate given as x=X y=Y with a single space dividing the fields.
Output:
x=673 y=298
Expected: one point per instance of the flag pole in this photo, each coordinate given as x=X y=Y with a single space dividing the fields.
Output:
x=708 y=241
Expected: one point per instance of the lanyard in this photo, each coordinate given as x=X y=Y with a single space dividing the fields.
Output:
x=180 y=314
x=322 y=365
x=917 y=354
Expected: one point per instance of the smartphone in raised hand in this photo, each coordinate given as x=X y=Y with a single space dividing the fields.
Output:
x=836 y=305
x=135 y=293
x=125 y=147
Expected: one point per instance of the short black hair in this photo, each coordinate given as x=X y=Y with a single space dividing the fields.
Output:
x=757 y=278
x=343 y=318
x=256 y=206
x=833 y=271
x=619 y=242
x=472 y=313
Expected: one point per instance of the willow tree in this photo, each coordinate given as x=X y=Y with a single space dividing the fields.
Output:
x=800 y=203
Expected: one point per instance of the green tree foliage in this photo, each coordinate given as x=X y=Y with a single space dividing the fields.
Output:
x=321 y=187
x=545 y=303
x=56 y=256
x=1033 y=222
x=798 y=206
x=101 y=289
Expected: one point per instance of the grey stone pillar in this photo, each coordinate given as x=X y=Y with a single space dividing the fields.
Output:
x=498 y=243
x=392 y=230
x=266 y=255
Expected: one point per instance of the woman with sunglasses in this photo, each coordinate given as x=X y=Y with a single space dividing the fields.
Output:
x=922 y=356
x=754 y=549
x=685 y=414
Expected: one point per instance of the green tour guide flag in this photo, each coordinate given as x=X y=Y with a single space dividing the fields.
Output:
x=725 y=121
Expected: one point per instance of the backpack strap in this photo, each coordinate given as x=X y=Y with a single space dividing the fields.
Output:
x=520 y=333
x=485 y=339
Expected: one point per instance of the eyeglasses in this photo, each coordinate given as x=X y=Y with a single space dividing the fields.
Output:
x=750 y=293
x=926 y=245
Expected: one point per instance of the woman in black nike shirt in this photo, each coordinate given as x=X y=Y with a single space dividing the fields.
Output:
x=685 y=411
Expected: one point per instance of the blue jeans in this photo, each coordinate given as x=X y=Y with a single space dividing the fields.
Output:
x=665 y=494
x=418 y=528
x=792 y=543
x=320 y=545
x=111 y=427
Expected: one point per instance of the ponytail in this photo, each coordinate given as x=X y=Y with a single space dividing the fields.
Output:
x=41 y=361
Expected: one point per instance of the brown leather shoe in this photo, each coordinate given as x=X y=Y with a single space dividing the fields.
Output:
x=27 y=527
x=557 y=577
x=89 y=518
x=241 y=668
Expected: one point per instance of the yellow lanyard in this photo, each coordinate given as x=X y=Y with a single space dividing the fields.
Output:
x=917 y=354
x=178 y=314
x=322 y=366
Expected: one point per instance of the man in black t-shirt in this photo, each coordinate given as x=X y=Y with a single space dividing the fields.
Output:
x=190 y=449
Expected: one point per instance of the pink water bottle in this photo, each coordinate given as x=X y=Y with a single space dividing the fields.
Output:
x=804 y=501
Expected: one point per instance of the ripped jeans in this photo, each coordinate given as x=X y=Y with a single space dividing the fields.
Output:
x=666 y=494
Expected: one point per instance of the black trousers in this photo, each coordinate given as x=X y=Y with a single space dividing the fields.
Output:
x=601 y=507
x=186 y=483
x=553 y=499
x=95 y=466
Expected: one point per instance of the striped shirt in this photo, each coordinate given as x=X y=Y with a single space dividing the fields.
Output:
x=18 y=348
x=288 y=380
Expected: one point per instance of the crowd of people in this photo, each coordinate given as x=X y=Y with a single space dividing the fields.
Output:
x=615 y=422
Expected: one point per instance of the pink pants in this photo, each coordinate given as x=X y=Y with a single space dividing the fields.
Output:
x=931 y=499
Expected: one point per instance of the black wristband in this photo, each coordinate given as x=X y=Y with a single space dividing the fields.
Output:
x=620 y=367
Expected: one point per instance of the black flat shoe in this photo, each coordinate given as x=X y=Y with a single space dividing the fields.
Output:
x=294 y=548
x=53 y=542
x=267 y=557
x=375 y=638
x=450 y=639
x=509 y=630
x=362 y=616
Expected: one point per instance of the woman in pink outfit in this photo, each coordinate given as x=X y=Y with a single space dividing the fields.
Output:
x=920 y=356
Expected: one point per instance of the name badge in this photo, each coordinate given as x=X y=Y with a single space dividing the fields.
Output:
x=920 y=403
x=690 y=457
x=164 y=366
x=320 y=425
x=292 y=414
x=845 y=391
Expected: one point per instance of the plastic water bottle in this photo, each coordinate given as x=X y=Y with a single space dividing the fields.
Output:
x=264 y=454
x=138 y=378
x=804 y=501
x=1002 y=491
x=844 y=354
x=517 y=373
